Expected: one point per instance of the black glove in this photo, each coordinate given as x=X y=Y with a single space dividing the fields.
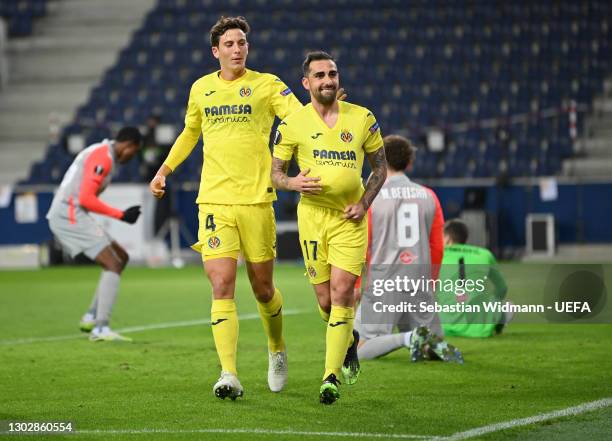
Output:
x=131 y=214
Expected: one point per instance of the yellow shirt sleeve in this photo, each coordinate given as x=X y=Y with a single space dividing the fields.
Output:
x=188 y=138
x=182 y=147
x=373 y=138
x=282 y=99
x=193 y=116
x=284 y=144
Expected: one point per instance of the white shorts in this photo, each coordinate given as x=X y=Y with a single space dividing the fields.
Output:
x=83 y=235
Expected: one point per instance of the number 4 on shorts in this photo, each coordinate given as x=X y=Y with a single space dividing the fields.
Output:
x=210 y=222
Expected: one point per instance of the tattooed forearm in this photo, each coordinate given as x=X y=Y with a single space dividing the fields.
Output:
x=280 y=180
x=378 y=162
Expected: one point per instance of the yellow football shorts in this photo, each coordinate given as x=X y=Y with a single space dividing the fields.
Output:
x=327 y=239
x=226 y=230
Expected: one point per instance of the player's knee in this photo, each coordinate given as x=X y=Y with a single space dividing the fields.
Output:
x=222 y=286
x=262 y=288
x=325 y=304
x=342 y=289
x=114 y=266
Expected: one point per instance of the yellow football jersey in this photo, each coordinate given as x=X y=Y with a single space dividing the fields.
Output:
x=236 y=118
x=334 y=154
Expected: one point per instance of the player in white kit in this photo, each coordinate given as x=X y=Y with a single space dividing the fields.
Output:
x=405 y=239
x=78 y=232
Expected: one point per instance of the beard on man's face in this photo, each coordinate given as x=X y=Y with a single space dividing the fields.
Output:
x=325 y=95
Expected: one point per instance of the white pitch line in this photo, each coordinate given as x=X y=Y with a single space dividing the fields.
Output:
x=255 y=432
x=570 y=411
x=130 y=329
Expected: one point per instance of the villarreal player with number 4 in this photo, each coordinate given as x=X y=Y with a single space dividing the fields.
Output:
x=234 y=108
x=330 y=140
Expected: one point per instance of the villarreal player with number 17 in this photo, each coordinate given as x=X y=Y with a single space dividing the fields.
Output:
x=330 y=140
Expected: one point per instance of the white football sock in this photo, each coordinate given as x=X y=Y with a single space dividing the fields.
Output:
x=378 y=346
x=109 y=286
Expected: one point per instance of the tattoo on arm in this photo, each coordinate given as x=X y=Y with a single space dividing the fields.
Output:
x=279 y=176
x=378 y=162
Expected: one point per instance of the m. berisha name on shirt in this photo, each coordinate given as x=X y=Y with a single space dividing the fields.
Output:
x=403 y=193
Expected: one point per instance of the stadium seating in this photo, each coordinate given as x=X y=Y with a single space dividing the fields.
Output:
x=468 y=68
x=20 y=15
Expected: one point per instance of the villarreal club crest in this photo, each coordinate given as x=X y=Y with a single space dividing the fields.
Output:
x=346 y=136
x=214 y=242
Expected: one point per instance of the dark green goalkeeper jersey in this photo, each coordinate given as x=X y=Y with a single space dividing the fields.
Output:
x=462 y=263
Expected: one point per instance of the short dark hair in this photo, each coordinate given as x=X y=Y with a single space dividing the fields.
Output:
x=456 y=230
x=129 y=134
x=400 y=152
x=224 y=24
x=314 y=56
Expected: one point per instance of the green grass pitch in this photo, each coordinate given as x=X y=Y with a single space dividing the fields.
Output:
x=163 y=381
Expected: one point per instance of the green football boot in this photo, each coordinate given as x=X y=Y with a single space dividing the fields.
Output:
x=351 y=367
x=329 y=391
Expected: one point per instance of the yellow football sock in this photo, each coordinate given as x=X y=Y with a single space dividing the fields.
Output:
x=272 y=320
x=224 y=321
x=339 y=333
x=324 y=314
